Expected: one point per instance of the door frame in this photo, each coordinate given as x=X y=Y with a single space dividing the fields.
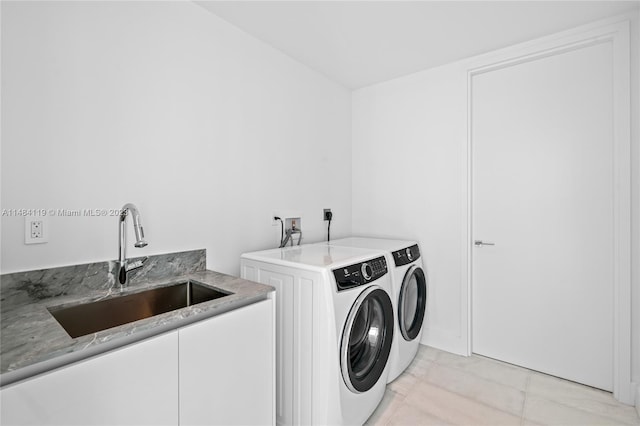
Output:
x=616 y=32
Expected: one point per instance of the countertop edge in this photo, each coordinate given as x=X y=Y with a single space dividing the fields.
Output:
x=61 y=360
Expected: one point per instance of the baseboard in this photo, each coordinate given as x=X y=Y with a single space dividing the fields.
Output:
x=444 y=340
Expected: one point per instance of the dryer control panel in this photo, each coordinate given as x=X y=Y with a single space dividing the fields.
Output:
x=360 y=273
x=406 y=255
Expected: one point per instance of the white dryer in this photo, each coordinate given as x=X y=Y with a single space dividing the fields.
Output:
x=335 y=326
x=410 y=295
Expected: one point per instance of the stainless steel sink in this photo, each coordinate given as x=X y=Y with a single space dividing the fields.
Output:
x=91 y=317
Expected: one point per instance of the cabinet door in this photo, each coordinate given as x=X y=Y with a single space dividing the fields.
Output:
x=137 y=384
x=227 y=368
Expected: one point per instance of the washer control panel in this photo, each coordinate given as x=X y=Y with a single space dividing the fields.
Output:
x=406 y=255
x=360 y=273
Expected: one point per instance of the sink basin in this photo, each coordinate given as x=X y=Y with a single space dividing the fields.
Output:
x=91 y=317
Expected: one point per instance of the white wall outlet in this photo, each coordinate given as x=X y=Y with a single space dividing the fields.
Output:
x=36 y=230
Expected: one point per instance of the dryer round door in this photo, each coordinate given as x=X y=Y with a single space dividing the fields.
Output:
x=412 y=303
x=366 y=339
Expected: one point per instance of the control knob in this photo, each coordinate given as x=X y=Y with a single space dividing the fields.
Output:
x=409 y=254
x=367 y=271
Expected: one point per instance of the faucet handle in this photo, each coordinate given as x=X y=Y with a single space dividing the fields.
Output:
x=135 y=265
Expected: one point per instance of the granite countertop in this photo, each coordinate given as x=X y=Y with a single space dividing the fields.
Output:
x=32 y=341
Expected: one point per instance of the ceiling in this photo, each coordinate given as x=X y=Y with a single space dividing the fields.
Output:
x=358 y=43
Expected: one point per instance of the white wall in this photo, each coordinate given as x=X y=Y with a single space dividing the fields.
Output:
x=408 y=140
x=164 y=105
x=413 y=131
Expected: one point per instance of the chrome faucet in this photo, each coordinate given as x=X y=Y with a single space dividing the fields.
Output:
x=122 y=264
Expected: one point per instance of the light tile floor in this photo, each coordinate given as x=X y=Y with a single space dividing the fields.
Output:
x=440 y=388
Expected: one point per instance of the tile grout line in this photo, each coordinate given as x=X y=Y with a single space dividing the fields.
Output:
x=480 y=377
x=392 y=413
x=524 y=401
x=489 y=379
x=466 y=397
x=403 y=401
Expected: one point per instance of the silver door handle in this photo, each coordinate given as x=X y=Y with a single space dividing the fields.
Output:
x=482 y=243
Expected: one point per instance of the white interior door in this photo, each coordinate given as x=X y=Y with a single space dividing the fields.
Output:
x=542 y=161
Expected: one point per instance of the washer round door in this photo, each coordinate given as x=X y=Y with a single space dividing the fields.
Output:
x=366 y=339
x=412 y=303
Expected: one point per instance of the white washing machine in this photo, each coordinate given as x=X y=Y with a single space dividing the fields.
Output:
x=335 y=326
x=410 y=295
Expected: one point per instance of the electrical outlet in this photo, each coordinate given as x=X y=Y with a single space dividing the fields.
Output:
x=325 y=216
x=35 y=230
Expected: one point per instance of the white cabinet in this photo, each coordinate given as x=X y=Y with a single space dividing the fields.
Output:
x=217 y=371
x=227 y=368
x=136 y=384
